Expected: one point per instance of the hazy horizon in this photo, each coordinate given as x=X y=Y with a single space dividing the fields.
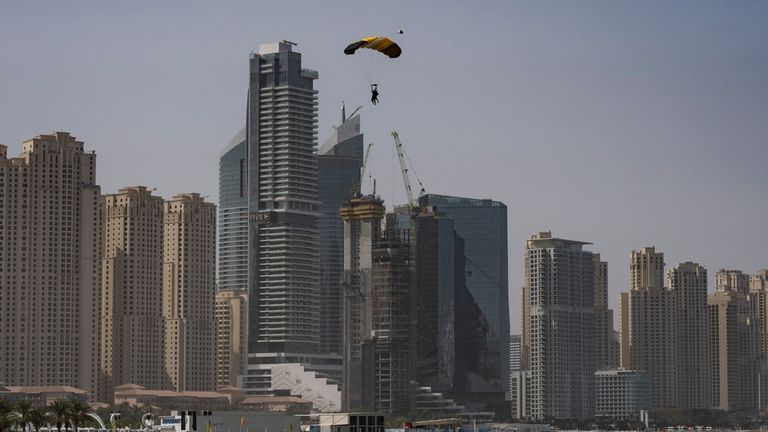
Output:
x=624 y=124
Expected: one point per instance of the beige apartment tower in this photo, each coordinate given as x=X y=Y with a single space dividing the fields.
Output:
x=758 y=292
x=49 y=265
x=189 y=283
x=607 y=351
x=735 y=344
x=231 y=336
x=649 y=327
x=688 y=283
x=132 y=280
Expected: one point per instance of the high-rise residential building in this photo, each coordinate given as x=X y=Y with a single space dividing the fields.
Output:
x=132 y=298
x=284 y=299
x=232 y=236
x=688 y=283
x=520 y=394
x=649 y=327
x=283 y=203
x=606 y=355
x=189 y=284
x=362 y=232
x=482 y=350
x=339 y=162
x=758 y=292
x=735 y=346
x=559 y=327
x=515 y=345
x=732 y=280
x=621 y=394
x=231 y=336
x=49 y=265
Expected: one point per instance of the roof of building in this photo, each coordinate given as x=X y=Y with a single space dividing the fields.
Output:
x=273 y=399
x=44 y=389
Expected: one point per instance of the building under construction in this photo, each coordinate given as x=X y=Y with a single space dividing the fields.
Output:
x=379 y=317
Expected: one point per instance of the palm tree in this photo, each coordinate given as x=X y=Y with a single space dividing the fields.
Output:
x=6 y=411
x=38 y=418
x=59 y=410
x=23 y=413
x=79 y=413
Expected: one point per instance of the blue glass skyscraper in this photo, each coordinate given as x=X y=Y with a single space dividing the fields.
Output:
x=482 y=312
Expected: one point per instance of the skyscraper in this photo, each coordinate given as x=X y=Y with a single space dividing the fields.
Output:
x=559 y=330
x=132 y=281
x=606 y=355
x=649 y=327
x=284 y=298
x=189 y=229
x=339 y=163
x=735 y=345
x=231 y=336
x=758 y=292
x=282 y=203
x=688 y=283
x=232 y=257
x=49 y=258
x=362 y=231
x=482 y=226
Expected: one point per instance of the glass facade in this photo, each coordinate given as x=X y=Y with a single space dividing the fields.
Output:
x=481 y=297
x=283 y=203
x=232 y=256
x=338 y=172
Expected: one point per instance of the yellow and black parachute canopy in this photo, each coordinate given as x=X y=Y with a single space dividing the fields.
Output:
x=377 y=43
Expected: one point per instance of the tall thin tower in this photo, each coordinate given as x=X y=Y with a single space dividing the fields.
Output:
x=282 y=203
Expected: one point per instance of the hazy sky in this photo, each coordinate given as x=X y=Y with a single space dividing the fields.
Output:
x=621 y=123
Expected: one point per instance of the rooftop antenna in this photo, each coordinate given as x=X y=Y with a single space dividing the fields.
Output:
x=343 y=112
x=292 y=43
x=355 y=111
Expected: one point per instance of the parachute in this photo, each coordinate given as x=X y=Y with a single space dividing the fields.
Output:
x=381 y=44
x=371 y=53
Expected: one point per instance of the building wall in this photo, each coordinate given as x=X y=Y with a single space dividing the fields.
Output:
x=231 y=336
x=232 y=239
x=132 y=280
x=606 y=358
x=649 y=318
x=339 y=163
x=49 y=265
x=189 y=269
x=734 y=349
x=621 y=394
x=758 y=290
x=283 y=203
x=362 y=231
x=559 y=285
x=688 y=282
x=482 y=226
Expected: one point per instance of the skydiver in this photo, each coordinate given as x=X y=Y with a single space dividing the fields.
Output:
x=374 y=93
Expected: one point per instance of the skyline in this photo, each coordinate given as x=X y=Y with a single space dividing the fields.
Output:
x=655 y=107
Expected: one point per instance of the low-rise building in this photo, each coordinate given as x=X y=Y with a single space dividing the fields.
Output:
x=42 y=395
x=621 y=393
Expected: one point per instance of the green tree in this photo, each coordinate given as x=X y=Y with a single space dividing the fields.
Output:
x=6 y=415
x=38 y=417
x=23 y=412
x=59 y=411
x=79 y=413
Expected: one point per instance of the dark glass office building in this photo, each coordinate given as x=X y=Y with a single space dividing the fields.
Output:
x=283 y=204
x=481 y=368
x=232 y=242
x=339 y=163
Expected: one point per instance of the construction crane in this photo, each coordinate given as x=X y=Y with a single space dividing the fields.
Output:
x=401 y=156
x=362 y=169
